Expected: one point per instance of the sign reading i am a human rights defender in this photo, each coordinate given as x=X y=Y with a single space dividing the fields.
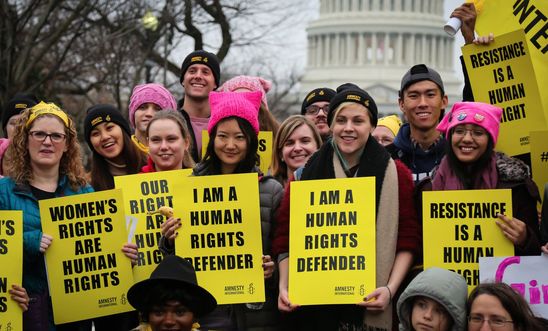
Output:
x=144 y=197
x=459 y=227
x=221 y=235
x=88 y=274
x=11 y=272
x=332 y=241
x=502 y=74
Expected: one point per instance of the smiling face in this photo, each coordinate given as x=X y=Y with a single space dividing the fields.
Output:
x=107 y=140
x=166 y=144
x=230 y=145
x=429 y=315
x=144 y=114
x=422 y=103
x=320 y=118
x=298 y=148
x=46 y=154
x=469 y=142
x=198 y=81
x=172 y=316
x=351 y=128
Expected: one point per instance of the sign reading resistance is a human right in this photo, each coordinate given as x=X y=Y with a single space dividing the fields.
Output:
x=459 y=227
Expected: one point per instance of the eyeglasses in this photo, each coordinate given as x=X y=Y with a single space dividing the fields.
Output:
x=494 y=323
x=475 y=133
x=41 y=136
x=313 y=109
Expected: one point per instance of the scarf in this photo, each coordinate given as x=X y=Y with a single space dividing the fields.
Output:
x=446 y=179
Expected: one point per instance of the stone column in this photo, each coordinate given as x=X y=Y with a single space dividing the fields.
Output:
x=361 y=48
x=434 y=52
x=374 y=48
x=386 y=50
x=398 y=52
x=411 y=57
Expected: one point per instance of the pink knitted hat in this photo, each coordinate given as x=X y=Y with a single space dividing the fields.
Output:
x=251 y=83
x=244 y=105
x=153 y=93
x=483 y=114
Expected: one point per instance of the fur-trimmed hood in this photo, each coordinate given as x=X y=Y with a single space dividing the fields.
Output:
x=511 y=169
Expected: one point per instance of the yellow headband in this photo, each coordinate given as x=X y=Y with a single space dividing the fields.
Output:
x=47 y=108
x=392 y=122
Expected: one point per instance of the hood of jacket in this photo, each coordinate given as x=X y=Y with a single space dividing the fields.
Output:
x=446 y=287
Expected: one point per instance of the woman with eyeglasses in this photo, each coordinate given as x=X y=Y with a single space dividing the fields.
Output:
x=471 y=163
x=43 y=162
x=497 y=306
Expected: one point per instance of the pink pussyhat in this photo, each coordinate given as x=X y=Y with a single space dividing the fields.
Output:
x=150 y=93
x=226 y=104
x=482 y=114
x=250 y=83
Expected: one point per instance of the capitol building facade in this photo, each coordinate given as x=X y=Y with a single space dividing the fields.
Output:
x=372 y=43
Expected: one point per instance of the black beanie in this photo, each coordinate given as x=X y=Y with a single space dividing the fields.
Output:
x=205 y=58
x=352 y=93
x=316 y=95
x=16 y=105
x=103 y=113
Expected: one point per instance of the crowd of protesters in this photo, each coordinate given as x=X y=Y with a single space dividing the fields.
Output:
x=338 y=134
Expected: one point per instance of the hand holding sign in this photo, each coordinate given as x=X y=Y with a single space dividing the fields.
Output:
x=377 y=300
x=19 y=295
x=45 y=242
x=513 y=229
x=268 y=266
x=169 y=229
x=131 y=252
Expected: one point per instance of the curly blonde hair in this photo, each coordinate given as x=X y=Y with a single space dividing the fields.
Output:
x=18 y=157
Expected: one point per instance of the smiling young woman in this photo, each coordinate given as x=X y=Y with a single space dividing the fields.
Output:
x=352 y=152
x=471 y=163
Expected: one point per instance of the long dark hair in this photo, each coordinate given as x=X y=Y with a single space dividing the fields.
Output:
x=212 y=163
x=101 y=178
x=468 y=173
x=516 y=306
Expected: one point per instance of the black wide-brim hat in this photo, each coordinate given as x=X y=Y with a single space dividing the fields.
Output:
x=173 y=272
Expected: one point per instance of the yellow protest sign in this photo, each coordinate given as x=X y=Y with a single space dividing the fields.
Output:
x=501 y=17
x=501 y=74
x=143 y=195
x=332 y=241
x=85 y=262
x=264 y=150
x=459 y=227
x=221 y=235
x=11 y=273
x=539 y=159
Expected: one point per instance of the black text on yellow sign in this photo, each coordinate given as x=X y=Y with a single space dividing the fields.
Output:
x=459 y=228
x=11 y=254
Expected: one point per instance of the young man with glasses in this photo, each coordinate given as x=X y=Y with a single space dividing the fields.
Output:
x=315 y=108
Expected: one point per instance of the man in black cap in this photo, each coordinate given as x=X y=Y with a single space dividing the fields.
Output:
x=315 y=107
x=422 y=99
x=200 y=74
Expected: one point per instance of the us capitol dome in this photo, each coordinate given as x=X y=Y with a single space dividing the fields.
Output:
x=372 y=43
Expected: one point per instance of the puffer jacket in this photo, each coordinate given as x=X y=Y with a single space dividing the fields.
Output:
x=445 y=287
x=19 y=197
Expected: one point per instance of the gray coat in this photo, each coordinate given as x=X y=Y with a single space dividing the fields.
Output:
x=444 y=286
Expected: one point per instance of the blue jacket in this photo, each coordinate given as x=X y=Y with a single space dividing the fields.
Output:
x=420 y=162
x=20 y=197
